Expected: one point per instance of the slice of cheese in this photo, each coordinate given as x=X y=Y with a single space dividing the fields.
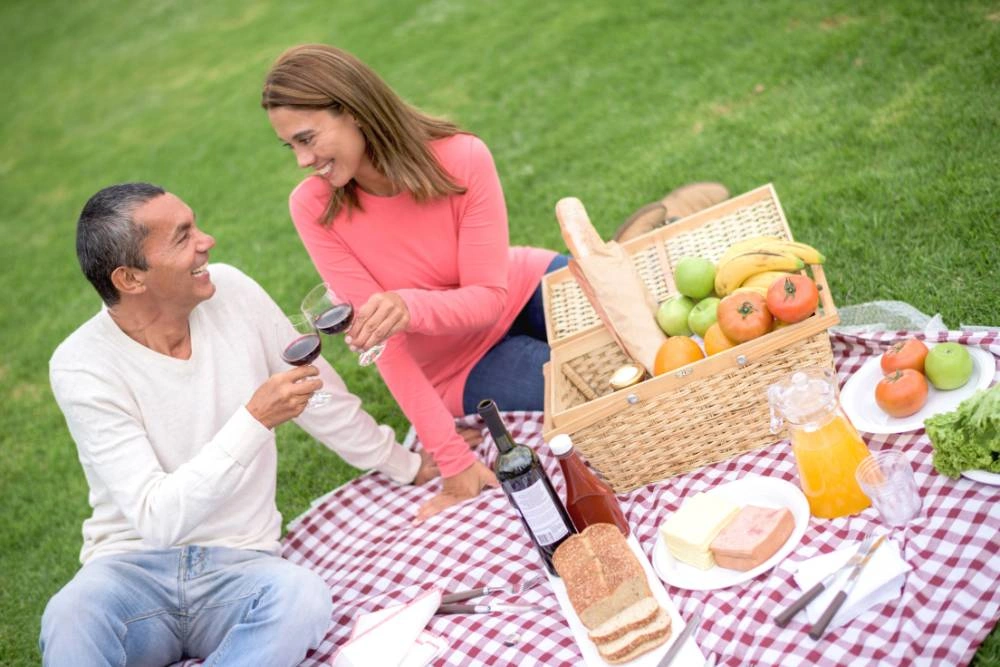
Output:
x=689 y=531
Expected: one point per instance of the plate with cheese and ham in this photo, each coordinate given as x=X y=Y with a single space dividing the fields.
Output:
x=619 y=612
x=730 y=534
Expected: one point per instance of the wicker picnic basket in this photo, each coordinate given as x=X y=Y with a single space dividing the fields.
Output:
x=701 y=413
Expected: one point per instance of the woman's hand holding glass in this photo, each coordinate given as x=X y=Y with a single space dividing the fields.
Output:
x=383 y=315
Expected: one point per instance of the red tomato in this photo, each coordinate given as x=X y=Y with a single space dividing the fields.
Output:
x=909 y=353
x=792 y=298
x=743 y=316
x=901 y=393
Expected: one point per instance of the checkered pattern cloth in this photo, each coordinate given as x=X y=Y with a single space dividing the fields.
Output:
x=360 y=538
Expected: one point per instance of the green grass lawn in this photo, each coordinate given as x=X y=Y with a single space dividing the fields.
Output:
x=878 y=123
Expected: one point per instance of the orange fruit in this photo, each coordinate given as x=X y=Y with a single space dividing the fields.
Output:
x=675 y=352
x=716 y=341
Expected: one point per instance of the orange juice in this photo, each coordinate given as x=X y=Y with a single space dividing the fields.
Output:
x=827 y=458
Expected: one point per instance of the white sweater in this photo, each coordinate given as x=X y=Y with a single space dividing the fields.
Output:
x=171 y=455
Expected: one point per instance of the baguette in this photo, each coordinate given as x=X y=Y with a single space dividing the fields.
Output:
x=577 y=231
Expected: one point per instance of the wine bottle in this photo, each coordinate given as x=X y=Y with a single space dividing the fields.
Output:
x=528 y=488
x=588 y=499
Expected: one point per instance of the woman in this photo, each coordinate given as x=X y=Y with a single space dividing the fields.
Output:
x=404 y=215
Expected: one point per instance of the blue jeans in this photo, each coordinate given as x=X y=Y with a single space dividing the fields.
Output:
x=228 y=606
x=511 y=371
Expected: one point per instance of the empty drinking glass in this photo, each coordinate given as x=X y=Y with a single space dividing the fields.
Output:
x=887 y=478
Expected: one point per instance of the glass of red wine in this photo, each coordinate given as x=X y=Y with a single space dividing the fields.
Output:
x=331 y=315
x=303 y=349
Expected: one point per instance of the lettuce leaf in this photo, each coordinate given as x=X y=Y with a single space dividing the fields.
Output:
x=968 y=438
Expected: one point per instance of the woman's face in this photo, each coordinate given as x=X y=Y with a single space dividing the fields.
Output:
x=329 y=143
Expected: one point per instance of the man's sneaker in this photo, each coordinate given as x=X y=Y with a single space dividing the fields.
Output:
x=678 y=204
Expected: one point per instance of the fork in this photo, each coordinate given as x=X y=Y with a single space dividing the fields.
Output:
x=782 y=619
x=508 y=588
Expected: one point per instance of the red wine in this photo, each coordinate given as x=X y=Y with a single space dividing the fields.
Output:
x=303 y=350
x=528 y=488
x=335 y=320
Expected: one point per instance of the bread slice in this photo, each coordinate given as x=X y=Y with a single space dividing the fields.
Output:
x=602 y=575
x=752 y=537
x=638 y=641
x=632 y=618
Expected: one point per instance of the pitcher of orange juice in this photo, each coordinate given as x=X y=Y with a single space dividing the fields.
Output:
x=827 y=448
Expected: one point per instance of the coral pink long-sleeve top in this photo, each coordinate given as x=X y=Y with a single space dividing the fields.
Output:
x=450 y=261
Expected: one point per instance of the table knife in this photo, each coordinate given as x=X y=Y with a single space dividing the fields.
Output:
x=817 y=630
x=492 y=607
x=782 y=619
x=681 y=639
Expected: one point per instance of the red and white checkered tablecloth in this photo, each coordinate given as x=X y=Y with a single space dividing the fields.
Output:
x=361 y=540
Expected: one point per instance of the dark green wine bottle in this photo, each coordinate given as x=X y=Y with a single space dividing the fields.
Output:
x=528 y=488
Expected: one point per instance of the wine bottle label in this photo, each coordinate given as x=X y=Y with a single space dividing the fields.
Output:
x=535 y=505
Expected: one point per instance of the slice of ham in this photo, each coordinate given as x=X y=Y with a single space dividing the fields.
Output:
x=752 y=537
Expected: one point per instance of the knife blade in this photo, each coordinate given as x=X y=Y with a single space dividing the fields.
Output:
x=817 y=630
x=676 y=647
x=492 y=607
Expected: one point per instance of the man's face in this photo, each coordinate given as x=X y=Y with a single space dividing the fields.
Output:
x=176 y=253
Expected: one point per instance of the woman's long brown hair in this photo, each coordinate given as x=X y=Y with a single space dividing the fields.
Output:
x=317 y=76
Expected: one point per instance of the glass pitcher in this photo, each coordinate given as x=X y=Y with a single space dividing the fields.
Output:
x=827 y=448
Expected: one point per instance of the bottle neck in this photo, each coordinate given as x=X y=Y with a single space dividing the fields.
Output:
x=501 y=436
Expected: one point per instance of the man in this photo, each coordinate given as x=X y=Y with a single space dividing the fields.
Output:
x=171 y=394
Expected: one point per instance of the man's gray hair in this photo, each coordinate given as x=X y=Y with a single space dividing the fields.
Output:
x=107 y=235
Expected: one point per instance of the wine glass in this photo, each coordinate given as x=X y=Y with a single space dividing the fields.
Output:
x=331 y=314
x=303 y=349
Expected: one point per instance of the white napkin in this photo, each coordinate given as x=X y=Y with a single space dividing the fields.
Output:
x=394 y=636
x=880 y=581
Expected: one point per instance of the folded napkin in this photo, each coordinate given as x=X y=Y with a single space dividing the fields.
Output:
x=880 y=581
x=394 y=636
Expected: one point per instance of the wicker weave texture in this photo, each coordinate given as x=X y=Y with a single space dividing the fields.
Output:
x=696 y=424
x=570 y=310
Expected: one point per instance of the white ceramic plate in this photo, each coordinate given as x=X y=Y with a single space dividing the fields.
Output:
x=750 y=490
x=982 y=476
x=858 y=395
x=690 y=655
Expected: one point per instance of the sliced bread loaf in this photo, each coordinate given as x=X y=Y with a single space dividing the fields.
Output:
x=632 y=618
x=638 y=641
x=602 y=575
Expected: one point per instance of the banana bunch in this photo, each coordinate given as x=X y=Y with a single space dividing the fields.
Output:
x=757 y=262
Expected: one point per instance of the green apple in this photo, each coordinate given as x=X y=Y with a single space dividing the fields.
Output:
x=703 y=315
x=694 y=277
x=672 y=315
x=948 y=366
